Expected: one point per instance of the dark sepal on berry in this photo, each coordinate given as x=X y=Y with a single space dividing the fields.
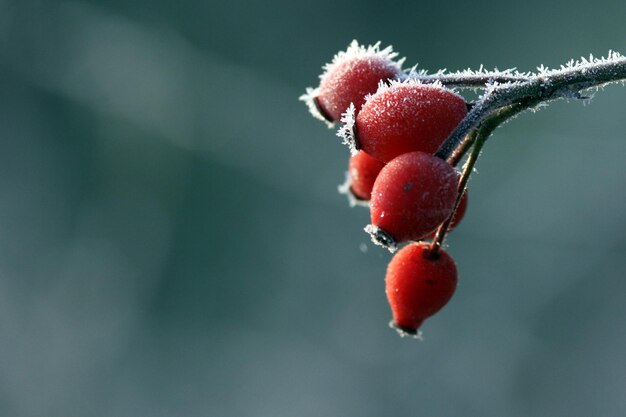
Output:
x=406 y=331
x=321 y=111
x=381 y=238
x=312 y=102
x=353 y=199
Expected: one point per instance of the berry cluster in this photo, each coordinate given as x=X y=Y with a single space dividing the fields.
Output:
x=393 y=125
x=407 y=132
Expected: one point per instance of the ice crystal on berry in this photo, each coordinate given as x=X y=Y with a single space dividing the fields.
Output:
x=356 y=51
x=381 y=238
x=346 y=131
x=310 y=99
x=417 y=334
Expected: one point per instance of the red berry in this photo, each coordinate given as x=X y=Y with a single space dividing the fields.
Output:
x=362 y=171
x=351 y=75
x=412 y=195
x=458 y=215
x=419 y=283
x=407 y=117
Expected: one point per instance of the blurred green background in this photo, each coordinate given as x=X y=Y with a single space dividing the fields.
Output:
x=172 y=242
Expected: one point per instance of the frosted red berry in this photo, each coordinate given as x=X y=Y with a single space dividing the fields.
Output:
x=412 y=195
x=362 y=172
x=457 y=217
x=350 y=81
x=351 y=76
x=407 y=117
x=419 y=282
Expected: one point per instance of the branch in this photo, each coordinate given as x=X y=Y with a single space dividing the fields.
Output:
x=469 y=78
x=546 y=85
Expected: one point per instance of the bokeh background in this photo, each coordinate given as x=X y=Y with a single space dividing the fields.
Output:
x=172 y=242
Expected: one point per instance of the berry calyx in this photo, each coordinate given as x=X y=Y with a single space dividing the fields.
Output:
x=412 y=195
x=418 y=284
x=351 y=76
x=406 y=117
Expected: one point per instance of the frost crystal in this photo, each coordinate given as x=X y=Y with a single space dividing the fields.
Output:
x=310 y=99
x=356 y=51
x=411 y=79
x=381 y=238
x=346 y=131
x=403 y=333
x=583 y=64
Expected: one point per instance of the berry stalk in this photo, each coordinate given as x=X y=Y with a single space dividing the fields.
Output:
x=462 y=149
x=478 y=137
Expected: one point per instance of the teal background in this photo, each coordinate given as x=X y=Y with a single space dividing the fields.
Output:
x=172 y=242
